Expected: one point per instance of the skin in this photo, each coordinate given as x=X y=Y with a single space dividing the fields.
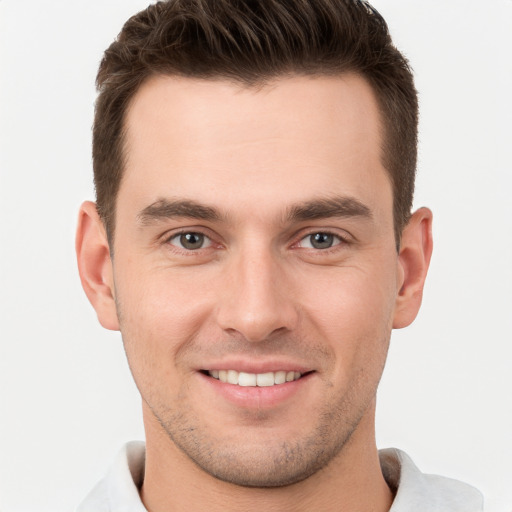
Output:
x=253 y=174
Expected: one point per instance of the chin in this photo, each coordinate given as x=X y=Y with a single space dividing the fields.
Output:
x=263 y=463
x=281 y=467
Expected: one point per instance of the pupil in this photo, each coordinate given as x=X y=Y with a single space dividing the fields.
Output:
x=321 y=240
x=192 y=240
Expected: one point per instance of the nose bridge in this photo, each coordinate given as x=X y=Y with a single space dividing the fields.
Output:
x=257 y=302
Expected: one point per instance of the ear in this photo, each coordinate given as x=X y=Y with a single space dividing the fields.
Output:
x=95 y=265
x=413 y=261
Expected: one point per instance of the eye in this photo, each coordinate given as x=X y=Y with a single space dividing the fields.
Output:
x=320 y=240
x=190 y=241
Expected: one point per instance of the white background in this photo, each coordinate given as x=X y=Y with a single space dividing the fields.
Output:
x=67 y=401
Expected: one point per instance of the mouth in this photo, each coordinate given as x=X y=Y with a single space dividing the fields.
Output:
x=245 y=379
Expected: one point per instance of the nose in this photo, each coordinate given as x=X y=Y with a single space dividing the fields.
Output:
x=257 y=302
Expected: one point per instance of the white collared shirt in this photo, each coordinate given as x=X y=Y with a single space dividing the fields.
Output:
x=415 y=491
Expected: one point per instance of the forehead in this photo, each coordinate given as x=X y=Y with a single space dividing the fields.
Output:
x=291 y=139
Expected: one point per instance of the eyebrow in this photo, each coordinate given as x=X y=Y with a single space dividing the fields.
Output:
x=309 y=210
x=339 y=206
x=169 y=208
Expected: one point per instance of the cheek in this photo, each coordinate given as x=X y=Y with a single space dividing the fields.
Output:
x=351 y=300
x=160 y=300
x=353 y=312
x=159 y=315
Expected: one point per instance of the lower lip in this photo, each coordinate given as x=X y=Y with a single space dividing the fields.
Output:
x=254 y=397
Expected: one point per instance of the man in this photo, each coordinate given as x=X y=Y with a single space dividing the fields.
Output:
x=253 y=241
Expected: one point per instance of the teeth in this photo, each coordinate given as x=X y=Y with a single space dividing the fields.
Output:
x=246 y=379
x=265 y=379
x=280 y=377
x=232 y=377
x=254 y=379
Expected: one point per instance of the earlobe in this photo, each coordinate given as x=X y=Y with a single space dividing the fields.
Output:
x=95 y=265
x=413 y=260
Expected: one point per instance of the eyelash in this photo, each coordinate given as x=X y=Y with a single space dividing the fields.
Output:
x=339 y=241
x=342 y=241
x=198 y=232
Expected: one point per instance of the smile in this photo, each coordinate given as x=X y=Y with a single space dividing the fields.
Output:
x=254 y=379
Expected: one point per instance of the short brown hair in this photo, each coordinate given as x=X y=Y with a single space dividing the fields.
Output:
x=251 y=42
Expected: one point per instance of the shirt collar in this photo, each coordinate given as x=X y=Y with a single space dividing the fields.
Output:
x=422 y=492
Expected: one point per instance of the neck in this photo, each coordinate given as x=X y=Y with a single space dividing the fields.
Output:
x=352 y=481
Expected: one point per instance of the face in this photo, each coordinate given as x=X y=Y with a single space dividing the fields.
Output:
x=255 y=271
